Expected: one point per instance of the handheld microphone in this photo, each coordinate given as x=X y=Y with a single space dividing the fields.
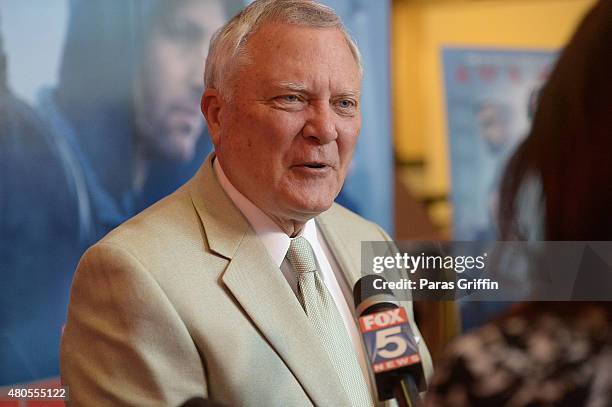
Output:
x=392 y=350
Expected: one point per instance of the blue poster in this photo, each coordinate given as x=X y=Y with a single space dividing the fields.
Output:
x=490 y=98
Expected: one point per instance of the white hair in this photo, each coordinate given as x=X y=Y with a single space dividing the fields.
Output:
x=228 y=45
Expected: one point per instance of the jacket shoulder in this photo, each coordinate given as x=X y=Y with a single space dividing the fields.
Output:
x=347 y=223
x=163 y=234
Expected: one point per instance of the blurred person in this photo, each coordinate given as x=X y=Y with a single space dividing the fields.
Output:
x=124 y=112
x=37 y=241
x=113 y=137
x=556 y=187
x=172 y=138
x=169 y=81
x=237 y=287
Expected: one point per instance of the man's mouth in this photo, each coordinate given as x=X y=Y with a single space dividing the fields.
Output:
x=314 y=168
x=315 y=165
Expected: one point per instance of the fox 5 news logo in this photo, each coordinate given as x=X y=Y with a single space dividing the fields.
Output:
x=388 y=340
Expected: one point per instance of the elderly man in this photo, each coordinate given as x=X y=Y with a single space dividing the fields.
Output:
x=237 y=287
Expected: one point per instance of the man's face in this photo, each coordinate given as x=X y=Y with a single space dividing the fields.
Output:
x=289 y=128
x=169 y=88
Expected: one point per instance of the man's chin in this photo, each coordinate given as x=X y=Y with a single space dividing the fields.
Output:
x=306 y=210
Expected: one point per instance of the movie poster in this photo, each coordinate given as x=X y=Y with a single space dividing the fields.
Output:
x=99 y=119
x=490 y=98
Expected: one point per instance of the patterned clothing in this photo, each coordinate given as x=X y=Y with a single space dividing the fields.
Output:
x=545 y=359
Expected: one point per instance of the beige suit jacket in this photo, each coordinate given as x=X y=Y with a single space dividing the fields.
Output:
x=183 y=300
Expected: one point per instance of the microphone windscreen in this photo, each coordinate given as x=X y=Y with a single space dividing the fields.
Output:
x=371 y=294
x=364 y=288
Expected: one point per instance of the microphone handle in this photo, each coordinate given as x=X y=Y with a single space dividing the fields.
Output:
x=406 y=392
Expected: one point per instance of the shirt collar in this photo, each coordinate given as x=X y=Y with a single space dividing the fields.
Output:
x=273 y=238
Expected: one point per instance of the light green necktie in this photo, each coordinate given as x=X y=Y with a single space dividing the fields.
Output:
x=327 y=322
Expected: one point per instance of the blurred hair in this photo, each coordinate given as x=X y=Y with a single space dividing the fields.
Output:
x=163 y=9
x=228 y=45
x=569 y=149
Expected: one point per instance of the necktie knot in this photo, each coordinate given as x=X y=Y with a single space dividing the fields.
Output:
x=301 y=256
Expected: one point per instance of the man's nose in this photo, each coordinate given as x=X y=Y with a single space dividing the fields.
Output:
x=321 y=124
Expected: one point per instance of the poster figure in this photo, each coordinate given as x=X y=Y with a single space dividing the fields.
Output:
x=130 y=132
x=100 y=119
x=490 y=97
x=33 y=294
x=119 y=127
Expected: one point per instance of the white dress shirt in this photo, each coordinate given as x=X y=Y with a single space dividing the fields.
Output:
x=277 y=243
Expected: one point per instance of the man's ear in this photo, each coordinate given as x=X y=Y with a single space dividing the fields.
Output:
x=211 y=105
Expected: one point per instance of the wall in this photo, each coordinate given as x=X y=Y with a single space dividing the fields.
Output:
x=419 y=30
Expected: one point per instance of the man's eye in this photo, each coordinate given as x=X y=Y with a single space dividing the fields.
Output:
x=290 y=98
x=346 y=104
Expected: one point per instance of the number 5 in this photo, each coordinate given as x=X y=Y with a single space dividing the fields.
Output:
x=388 y=336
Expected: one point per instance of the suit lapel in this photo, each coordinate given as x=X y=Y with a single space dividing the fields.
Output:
x=262 y=291
x=265 y=296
